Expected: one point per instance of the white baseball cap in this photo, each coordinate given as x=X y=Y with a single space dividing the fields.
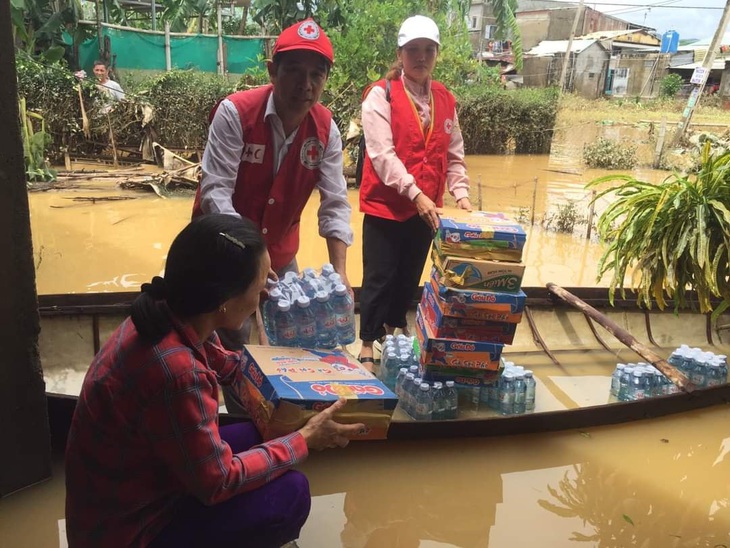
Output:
x=418 y=26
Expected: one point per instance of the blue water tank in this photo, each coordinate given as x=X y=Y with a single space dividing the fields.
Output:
x=670 y=42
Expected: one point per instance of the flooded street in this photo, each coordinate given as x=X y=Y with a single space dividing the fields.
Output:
x=661 y=483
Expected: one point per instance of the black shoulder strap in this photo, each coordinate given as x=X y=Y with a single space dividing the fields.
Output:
x=361 y=146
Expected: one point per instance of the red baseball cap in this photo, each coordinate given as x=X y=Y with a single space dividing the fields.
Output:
x=306 y=35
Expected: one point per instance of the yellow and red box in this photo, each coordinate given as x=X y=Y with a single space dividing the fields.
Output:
x=284 y=387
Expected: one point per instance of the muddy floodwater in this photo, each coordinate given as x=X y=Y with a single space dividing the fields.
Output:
x=661 y=483
x=84 y=244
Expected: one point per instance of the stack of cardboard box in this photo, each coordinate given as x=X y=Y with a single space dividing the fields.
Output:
x=473 y=302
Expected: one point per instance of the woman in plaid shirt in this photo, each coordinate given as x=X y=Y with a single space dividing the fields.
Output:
x=146 y=462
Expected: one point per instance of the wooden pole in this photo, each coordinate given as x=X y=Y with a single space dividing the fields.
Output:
x=168 y=53
x=696 y=93
x=591 y=209
x=153 y=13
x=660 y=143
x=671 y=372
x=566 y=60
x=479 y=192
x=534 y=201
x=25 y=457
x=221 y=55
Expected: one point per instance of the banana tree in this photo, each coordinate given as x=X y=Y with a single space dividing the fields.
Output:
x=670 y=237
x=38 y=25
x=35 y=143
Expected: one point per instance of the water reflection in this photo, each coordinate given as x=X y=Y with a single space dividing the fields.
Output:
x=661 y=483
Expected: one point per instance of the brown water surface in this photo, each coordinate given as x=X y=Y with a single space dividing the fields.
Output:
x=659 y=483
x=83 y=244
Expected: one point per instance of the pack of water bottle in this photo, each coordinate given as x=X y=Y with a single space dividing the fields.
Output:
x=314 y=310
x=398 y=352
x=638 y=381
x=424 y=401
x=512 y=394
x=703 y=369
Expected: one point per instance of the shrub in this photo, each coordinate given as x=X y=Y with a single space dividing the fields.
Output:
x=495 y=121
x=182 y=101
x=608 y=154
x=670 y=85
x=50 y=89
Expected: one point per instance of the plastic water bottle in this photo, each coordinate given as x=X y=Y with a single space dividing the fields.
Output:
x=625 y=383
x=269 y=313
x=507 y=394
x=452 y=401
x=406 y=393
x=438 y=412
x=325 y=319
x=286 y=327
x=712 y=376
x=306 y=323
x=530 y=386
x=616 y=379
x=424 y=403
x=519 y=406
x=638 y=386
x=399 y=380
x=493 y=394
x=327 y=270
x=344 y=309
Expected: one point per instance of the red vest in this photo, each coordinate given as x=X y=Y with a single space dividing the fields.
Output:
x=275 y=203
x=425 y=156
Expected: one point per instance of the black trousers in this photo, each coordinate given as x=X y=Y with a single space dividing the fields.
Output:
x=394 y=253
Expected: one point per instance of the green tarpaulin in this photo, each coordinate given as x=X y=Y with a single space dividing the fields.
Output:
x=146 y=51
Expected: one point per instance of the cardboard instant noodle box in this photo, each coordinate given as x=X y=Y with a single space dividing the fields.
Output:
x=284 y=387
x=478 y=274
x=480 y=234
x=444 y=352
x=467 y=306
x=445 y=328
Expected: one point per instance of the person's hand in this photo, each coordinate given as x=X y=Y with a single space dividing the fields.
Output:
x=80 y=74
x=322 y=432
x=427 y=211
x=464 y=203
x=346 y=283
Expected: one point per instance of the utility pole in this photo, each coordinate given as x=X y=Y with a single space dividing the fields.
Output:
x=694 y=96
x=566 y=60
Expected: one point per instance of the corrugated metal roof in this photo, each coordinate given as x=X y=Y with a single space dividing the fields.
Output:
x=604 y=34
x=551 y=47
x=718 y=64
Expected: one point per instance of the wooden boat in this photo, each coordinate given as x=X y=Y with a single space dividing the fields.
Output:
x=571 y=356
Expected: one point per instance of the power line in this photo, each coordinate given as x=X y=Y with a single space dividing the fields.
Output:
x=644 y=6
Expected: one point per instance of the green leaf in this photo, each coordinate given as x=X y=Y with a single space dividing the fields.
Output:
x=628 y=519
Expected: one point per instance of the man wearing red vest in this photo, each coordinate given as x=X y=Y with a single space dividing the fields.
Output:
x=270 y=147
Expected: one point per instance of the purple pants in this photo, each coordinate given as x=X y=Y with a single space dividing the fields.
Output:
x=267 y=517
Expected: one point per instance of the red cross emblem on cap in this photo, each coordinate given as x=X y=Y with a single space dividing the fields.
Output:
x=308 y=30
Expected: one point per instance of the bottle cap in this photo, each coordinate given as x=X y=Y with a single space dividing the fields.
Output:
x=449 y=384
x=340 y=289
x=303 y=302
x=425 y=387
x=403 y=370
x=322 y=296
x=283 y=305
x=438 y=385
x=275 y=294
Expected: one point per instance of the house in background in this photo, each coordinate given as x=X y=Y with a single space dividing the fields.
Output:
x=539 y=20
x=585 y=75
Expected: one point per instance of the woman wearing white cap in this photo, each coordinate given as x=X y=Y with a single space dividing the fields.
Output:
x=414 y=152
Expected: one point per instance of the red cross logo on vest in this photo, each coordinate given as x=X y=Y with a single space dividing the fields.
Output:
x=308 y=30
x=311 y=153
x=448 y=125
